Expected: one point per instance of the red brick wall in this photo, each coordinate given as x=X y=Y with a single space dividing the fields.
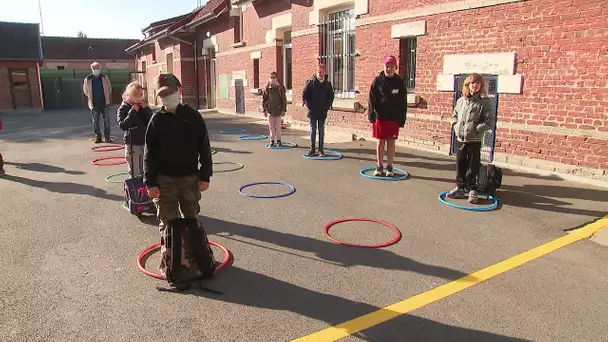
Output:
x=559 y=50
x=6 y=96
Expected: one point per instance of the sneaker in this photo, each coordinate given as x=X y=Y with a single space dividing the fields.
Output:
x=98 y=140
x=456 y=193
x=322 y=153
x=311 y=152
x=272 y=144
x=108 y=140
x=473 y=197
x=379 y=171
x=279 y=143
x=389 y=171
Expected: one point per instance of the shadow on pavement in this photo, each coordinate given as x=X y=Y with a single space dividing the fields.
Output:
x=243 y=287
x=64 y=187
x=329 y=251
x=42 y=168
x=227 y=150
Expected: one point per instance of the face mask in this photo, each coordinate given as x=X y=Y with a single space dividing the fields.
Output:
x=96 y=72
x=171 y=101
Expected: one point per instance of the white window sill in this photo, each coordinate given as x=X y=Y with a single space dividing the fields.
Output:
x=345 y=104
x=239 y=44
x=256 y=91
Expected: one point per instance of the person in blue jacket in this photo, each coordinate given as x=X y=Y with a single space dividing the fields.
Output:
x=133 y=117
x=318 y=97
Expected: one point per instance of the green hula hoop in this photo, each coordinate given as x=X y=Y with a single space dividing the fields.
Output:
x=213 y=151
x=238 y=166
x=109 y=178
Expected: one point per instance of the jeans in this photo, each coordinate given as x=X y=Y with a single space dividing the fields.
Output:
x=314 y=123
x=468 y=161
x=274 y=124
x=95 y=113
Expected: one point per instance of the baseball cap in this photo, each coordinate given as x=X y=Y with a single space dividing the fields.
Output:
x=166 y=82
x=390 y=59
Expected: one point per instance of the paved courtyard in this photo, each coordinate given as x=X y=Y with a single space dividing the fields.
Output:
x=69 y=249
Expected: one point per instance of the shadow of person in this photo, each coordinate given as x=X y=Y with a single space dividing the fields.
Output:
x=38 y=167
x=64 y=187
x=338 y=254
x=244 y=287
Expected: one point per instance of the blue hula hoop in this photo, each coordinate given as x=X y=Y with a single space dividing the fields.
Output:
x=292 y=189
x=492 y=206
x=286 y=145
x=233 y=131
x=331 y=155
x=398 y=170
x=253 y=137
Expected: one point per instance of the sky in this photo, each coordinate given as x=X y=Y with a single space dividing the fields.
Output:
x=96 y=18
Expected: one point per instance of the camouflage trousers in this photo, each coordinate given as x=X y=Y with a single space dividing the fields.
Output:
x=177 y=193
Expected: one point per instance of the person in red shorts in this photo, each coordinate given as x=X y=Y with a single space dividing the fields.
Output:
x=387 y=112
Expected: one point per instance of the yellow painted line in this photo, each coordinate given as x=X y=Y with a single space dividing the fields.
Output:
x=408 y=305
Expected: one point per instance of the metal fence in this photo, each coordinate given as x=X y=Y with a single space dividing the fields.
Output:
x=337 y=51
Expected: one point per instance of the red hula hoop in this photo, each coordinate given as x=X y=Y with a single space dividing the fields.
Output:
x=107 y=148
x=96 y=161
x=146 y=251
x=380 y=245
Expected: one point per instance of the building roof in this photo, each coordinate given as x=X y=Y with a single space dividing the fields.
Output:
x=66 y=48
x=20 y=41
x=165 y=27
x=162 y=24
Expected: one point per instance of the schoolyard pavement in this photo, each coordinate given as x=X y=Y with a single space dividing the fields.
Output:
x=69 y=249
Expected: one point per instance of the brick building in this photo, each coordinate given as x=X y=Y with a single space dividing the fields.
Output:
x=20 y=55
x=545 y=63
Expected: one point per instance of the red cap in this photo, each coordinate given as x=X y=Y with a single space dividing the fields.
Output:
x=390 y=59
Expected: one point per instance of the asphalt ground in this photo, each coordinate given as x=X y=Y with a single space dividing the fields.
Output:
x=69 y=249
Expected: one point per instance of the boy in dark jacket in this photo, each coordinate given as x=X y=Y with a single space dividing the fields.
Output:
x=318 y=97
x=176 y=141
x=387 y=112
x=133 y=117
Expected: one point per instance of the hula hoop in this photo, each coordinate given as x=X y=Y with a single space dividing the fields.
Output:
x=380 y=245
x=286 y=145
x=331 y=155
x=213 y=151
x=253 y=137
x=292 y=189
x=109 y=178
x=155 y=247
x=404 y=175
x=111 y=137
x=233 y=131
x=239 y=166
x=107 y=148
x=489 y=207
x=96 y=161
x=283 y=126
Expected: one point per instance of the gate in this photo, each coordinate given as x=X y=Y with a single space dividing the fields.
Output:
x=488 y=142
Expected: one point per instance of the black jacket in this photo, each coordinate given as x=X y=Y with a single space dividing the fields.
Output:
x=175 y=144
x=318 y=97
x=388 y=99
x=134 y=123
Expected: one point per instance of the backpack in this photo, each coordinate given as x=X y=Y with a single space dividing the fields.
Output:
x=186 y=255
x=490 y=179
x=137 y=200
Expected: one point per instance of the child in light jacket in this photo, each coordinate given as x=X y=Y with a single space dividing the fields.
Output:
x=473 y=115
x=133 y=117
x=274 y=102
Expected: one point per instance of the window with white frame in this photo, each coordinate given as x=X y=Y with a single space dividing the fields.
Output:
x=337 y=51
x=287 y=64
